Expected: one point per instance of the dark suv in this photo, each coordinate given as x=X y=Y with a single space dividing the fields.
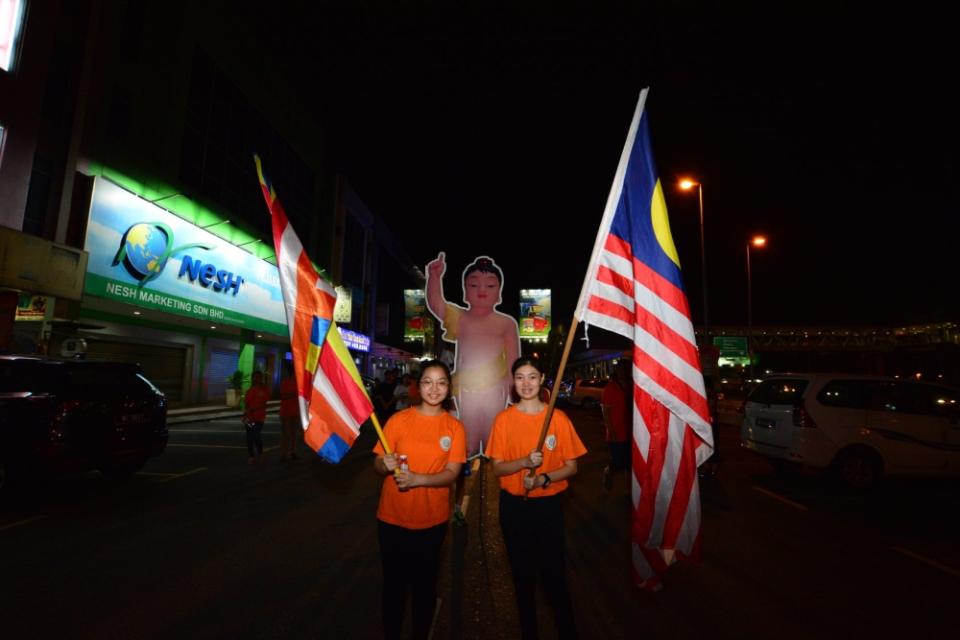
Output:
x=73 y=415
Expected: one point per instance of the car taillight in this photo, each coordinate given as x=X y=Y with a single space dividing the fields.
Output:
x=801 y=417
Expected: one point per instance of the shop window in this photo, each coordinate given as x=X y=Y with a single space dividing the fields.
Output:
x=11 y=21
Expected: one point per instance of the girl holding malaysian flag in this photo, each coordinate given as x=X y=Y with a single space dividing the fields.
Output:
x=531 y=507
x=429 y=448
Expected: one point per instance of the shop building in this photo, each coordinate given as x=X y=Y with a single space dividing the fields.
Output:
x=126 y=169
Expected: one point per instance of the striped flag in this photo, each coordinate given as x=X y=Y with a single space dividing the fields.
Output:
x=333 y=403
x=633 y=287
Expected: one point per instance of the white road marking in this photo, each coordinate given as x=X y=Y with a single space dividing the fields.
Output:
x=777 y=496
x=20 y=522
x=171 y=476
x=185 y=474
x=928 y=561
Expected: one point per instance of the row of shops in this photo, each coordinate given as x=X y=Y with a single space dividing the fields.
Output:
x=187 y=304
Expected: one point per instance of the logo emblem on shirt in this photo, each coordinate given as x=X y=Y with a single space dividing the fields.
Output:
x=551 y=442
x=445 y=443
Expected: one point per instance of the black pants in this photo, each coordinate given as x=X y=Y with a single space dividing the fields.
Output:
x=533 y=532
x=254 y=441
x=411 y=559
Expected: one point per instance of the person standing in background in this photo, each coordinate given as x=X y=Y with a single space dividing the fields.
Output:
x=254 y=415
x=617 y=406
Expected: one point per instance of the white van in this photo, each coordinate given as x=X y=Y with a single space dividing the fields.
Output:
x=859 y=426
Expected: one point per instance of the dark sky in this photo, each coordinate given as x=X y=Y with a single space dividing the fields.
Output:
x=835 y=135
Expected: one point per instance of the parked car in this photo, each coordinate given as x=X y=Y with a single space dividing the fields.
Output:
x=587 y=392
x=73 y=415
x=860 y=427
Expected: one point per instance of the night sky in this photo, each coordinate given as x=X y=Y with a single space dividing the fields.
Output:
x=836 y=136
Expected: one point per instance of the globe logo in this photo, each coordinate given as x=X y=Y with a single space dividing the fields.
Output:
x=145 y=249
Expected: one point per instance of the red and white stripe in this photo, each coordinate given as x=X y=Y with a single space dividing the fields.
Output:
x=672 y=434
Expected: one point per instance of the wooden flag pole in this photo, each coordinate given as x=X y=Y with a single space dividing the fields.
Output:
x=383 y=438
x=554 y=393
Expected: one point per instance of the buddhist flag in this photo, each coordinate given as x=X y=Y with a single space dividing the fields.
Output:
x=333 y=403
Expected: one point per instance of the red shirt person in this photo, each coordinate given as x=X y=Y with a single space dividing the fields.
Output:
x=617 y=405
x=254 y=415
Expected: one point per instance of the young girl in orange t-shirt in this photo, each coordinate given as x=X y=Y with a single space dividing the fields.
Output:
x=531 y=508
x=415 y=503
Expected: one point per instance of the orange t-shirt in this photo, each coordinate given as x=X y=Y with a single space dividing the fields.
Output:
x=429 y=442
x=255 y=403
x=289 y=402
x=515 y=434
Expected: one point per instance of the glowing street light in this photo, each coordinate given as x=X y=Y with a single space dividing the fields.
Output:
x=687 y=184
x=759 y=242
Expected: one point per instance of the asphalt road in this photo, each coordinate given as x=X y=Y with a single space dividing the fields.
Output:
x=202 y=545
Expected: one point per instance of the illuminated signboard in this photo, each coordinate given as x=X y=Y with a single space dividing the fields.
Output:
x=343 y=310
x=142 y=255
x=414 y=314
x=354 y=340
x=534 y=314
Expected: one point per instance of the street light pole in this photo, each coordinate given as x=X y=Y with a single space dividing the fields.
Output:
x=686 y=184
x=749 y=314
x=756 y=241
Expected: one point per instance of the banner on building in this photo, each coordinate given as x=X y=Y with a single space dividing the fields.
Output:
x=414 y=314
x=143 y=255
x=534 y=314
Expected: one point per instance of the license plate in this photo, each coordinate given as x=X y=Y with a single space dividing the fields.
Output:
x=766 y=423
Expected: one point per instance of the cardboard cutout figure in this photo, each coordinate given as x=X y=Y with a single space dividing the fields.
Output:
x=488 y=342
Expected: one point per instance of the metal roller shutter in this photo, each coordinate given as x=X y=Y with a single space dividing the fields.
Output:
x=165 y=367
x=222 y=364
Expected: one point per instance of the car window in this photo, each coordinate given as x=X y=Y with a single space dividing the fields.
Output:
x=94 y=381
x=850 y=394
x=924 y=399
x=779 y=391
x=25 y=375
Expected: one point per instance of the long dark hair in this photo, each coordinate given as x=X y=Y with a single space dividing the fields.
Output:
x=447 y=403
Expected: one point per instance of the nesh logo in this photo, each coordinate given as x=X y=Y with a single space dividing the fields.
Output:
x=147 y=246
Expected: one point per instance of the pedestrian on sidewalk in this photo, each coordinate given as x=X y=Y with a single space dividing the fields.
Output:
x=290 y=429
x=531 y=508
x=428 y=447
x=254 y=415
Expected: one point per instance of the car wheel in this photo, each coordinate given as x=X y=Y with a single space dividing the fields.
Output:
x=858 y=468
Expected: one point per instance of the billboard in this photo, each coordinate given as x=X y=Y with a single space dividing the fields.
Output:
x=414 y=314
x=534 y=314
x=142 y=255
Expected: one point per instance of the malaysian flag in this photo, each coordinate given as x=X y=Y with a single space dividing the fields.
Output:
x=633 y=287
x=333 y=403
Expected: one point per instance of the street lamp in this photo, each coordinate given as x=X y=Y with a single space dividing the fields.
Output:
x=686 y=185
x=758 y=242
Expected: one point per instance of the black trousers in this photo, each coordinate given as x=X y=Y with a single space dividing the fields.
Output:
x=254 y=441
x=533 y=532
x=411 y=560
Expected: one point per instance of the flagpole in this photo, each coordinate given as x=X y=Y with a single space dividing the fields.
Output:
x=554 y=393
x=383 y=438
